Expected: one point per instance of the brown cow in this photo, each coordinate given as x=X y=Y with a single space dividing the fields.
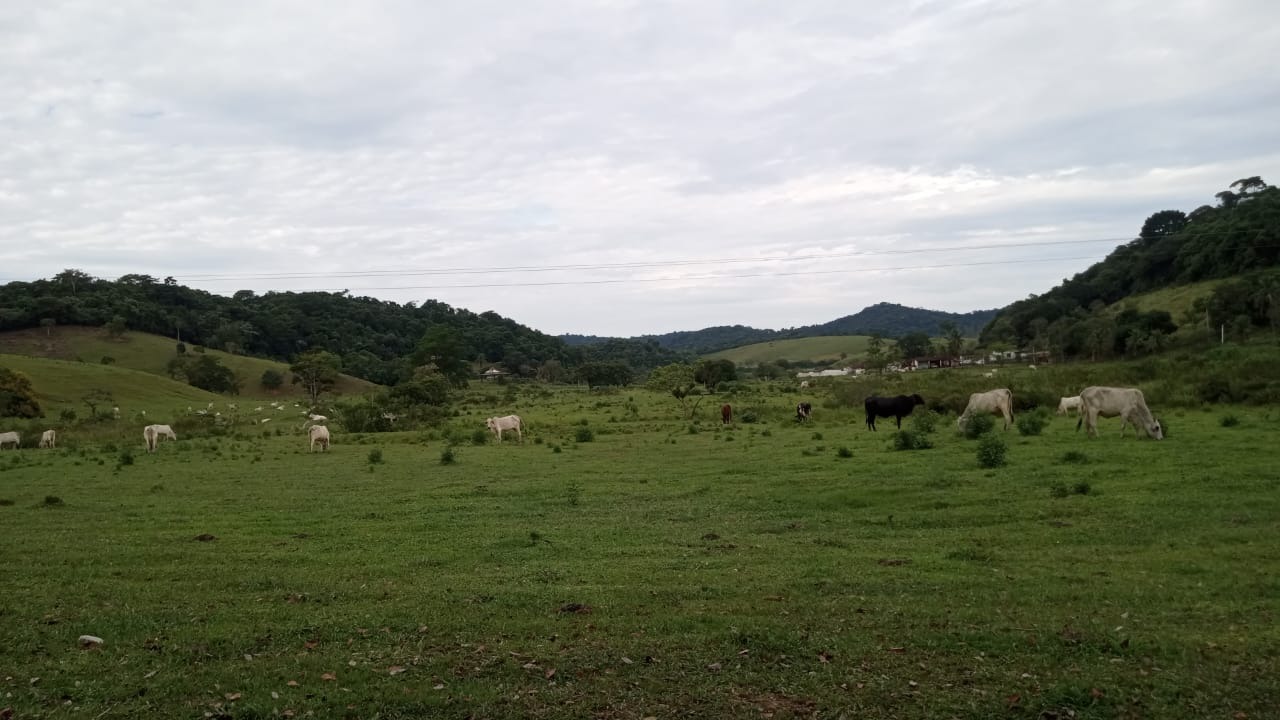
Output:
x=726 y=413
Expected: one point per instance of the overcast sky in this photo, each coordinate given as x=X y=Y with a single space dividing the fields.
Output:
x=675 y=152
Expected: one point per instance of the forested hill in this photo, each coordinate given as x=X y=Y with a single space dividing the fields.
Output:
x=886 y=319
x=1236 y=236
x=374 y=338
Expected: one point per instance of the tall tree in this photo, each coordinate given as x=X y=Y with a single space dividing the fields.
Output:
x=914 y=344
x=676 y=380
x=17 y=396
x=442 y=348
x=953 y=338
x=317 y=371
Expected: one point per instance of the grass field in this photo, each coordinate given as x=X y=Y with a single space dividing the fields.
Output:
x=1175 y=300
x=660 y=569
x=60 y=384
x=812 y=348
x=151 y=354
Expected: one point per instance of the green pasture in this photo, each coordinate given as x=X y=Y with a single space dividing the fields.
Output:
x=795 y=349
x=151 y=354
x=624 y=562
x=60 y=384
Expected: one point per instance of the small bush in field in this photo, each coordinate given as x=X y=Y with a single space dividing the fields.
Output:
x=375 y=456
x=1229 y=421
x=975 y=426
x=911 y=440
x=991 y=452
x=1031 y=423
x=448 y=456
x=844 y=452
x=925 y=422
x=583 y=434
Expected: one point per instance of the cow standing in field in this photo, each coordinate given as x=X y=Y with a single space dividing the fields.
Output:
x=726 y=414
x=319 y=435
x=994 y=402
x=1126 y=403
x=510 y=422
x=152 y=434
x=896 y=407
x=1067 y=404
x=48 y=439
x=10 y=438
x=803 y=411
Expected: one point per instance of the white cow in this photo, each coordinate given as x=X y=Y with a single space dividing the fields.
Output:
x=10 y=438
x=48 y=439
x=994 y=402
x=319 y=434
x=804 y=384
x=152 y=434
x=510 y=422
x=1126 y=403
x=1067 y=404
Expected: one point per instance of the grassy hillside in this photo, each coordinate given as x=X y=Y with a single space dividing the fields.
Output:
x=150 y=353
x=1175 y=300
x=813 y=348
x=60 y=384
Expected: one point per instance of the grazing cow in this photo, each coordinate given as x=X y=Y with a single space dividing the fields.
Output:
x=509 y=422
x=10 y=438
x=152 y=434
x=804 y=384
x=896 y=407
x=994 y=402
x=48 y=439
x=803 y=411
x=319 y=434
x=1067 y=404
x=1126 y=403
x=726 y=414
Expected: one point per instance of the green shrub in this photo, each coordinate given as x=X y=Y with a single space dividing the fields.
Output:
x=583 y=434
x=1082 y=488
x=844 y=452
x=925 y=422
x=1032 y=423
x=1229 y=421
x=975 y=426
x=991 y=451
x=1074 y=457
x=53 y=501
x=448 y=456
x=911 y=440
x=817 y=436
x=375 y=456
x=479 y=437
x=749 y=416
x=126 y=457
x=1058 y=490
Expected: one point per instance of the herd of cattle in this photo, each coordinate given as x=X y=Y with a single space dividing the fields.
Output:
x=1093 y=402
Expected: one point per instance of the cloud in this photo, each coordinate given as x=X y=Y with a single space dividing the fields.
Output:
x=233 y=139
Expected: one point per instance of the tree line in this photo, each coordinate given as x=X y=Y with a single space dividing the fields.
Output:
x=1237 y=236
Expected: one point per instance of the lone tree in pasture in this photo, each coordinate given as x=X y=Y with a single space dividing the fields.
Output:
x=272 y=379
x=713 y=372
x=96 y=397
x=676 y=380
x=953 y=338
x=875 y=352
x=115 y=327
x=317 y=371
x=17 y=397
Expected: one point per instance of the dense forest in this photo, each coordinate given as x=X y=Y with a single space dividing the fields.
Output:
x=887 y=319
x=375 y=339
x=1239 y=236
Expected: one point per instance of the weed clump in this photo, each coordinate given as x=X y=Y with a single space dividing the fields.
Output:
x=925 y=423
x=1229 y=421
x=1074 y=457
x=844 y=452
x=975 y=426
x=583 y=434
x=126 y=457
x=53 y=501
x=1032 y=423
x=1058 y=490
x=991 y=452
x=375 y=456
x=479 y=437
x=448 y=456
x=1082 y=488
x=911 y=440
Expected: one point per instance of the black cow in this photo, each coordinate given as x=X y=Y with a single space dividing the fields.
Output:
x=896 y=407
x=803 y=410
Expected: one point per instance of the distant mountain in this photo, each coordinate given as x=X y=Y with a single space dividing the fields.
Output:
x=886 y=319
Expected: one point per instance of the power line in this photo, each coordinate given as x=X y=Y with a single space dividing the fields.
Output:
x=622 y=281
x=213 y=277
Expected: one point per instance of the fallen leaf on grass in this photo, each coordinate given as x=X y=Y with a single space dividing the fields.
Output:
x=897 y=649
x=232 y=696
x=714 y=667
x=438 y=686
x=292 y=683
x=824 y=657
x=550 y=673
x=310 y=644
x=1013 y=700
x=395 y=670
x=1095 y=693
x=627 y=661
x=328 y=676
